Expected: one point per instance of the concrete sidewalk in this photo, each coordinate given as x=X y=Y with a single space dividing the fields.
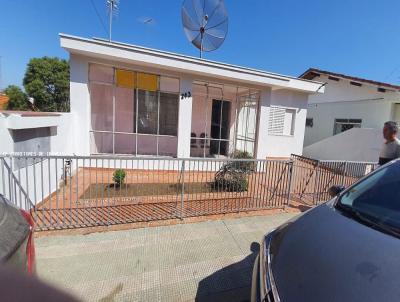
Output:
x=206 y=261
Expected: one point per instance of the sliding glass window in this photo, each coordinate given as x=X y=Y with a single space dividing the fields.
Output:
x=133 y=112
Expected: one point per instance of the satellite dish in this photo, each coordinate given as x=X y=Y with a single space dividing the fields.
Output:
x=205 y=23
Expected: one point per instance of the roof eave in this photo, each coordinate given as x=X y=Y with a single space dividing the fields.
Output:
x=351 y=78
x=180 y=63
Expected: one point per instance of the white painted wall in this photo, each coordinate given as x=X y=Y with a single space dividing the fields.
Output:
x=357 y=144
x=184 y=118
x=342 y=100
x=80 y=103
x=7 y=144
x=62 y=133
x=270 y=145
x=372 y=113
x=62 y=142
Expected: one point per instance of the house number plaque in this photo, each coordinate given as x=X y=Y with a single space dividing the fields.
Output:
x=186 y=95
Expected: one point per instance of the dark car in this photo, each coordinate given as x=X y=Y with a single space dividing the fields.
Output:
x=347 y=249
x=16 y=237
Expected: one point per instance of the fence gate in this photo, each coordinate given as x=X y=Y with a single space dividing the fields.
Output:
x=313 y=178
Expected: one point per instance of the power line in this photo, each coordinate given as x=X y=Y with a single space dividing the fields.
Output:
x=99 y=16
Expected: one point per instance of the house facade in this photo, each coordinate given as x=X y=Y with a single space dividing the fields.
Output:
x=132 y=100
x=348 y=102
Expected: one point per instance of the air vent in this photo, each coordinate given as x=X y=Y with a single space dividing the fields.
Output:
x=381 y=89
x=356 y=84
x=333 y=78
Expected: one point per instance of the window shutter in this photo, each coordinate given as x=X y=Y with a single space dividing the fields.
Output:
x=276 y=120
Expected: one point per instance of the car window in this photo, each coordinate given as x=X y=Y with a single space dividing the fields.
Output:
x=377 y=196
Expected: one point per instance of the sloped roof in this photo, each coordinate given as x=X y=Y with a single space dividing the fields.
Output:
x=312 y=73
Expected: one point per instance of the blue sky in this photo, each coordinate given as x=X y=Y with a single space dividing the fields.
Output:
x=360 y=38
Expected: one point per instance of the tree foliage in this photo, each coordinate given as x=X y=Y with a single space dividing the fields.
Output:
x=47 y=81
x=18 y=100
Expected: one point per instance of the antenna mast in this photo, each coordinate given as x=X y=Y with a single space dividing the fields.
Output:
x=112 y=10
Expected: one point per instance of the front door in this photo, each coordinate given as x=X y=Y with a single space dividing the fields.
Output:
x=220 y=121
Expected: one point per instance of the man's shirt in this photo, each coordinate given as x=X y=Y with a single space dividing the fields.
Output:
x=390 y=151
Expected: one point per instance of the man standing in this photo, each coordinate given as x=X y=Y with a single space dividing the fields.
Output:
x=391 y=148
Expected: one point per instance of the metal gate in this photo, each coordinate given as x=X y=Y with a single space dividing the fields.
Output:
x=313 y=178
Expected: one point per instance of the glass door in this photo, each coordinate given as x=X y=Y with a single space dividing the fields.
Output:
x=220 y=123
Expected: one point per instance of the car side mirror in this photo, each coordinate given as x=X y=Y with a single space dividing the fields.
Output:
x=335 y=190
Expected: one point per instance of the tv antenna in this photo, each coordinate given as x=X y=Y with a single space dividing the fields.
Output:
x=205 y=23
x=112 y=6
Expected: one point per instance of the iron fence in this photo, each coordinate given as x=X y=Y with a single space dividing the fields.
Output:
x=79 y=191
x=313 y=178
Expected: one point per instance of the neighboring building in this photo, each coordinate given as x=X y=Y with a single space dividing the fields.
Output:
x=127 y=99
x=3 y=101
x=36 y=132
x=348 y=102
x=356 y=144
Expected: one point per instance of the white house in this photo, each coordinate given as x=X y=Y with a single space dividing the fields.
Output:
x=348 y=102
x=133 y=100
x=127 y=99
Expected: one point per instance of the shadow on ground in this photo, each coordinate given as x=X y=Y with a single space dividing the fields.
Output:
x=232 y=283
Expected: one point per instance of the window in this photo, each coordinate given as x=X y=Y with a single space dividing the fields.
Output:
x=355 y=84
x=133 y=112
x=147 y=112
x=309 y=122
x=342 y=125
x=102 y=107
x=168 y=119
x=281 y=121
x=376 y=197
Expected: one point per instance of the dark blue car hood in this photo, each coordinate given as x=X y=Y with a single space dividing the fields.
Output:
x=326 y=256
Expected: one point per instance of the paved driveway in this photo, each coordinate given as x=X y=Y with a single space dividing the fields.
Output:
x=206 y=261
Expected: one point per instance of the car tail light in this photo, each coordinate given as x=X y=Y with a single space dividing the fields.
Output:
x=30 y=247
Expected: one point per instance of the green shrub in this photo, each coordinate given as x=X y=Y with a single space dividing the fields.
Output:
x=232 y=176
x=119 y=177
x=231 y=181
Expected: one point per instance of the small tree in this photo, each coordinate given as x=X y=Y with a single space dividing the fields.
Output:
x=119 y=177
x=18 y=100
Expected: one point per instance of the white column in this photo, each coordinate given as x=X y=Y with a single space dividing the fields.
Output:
x=185 y=118
x=262 y=138
x=80 y=104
